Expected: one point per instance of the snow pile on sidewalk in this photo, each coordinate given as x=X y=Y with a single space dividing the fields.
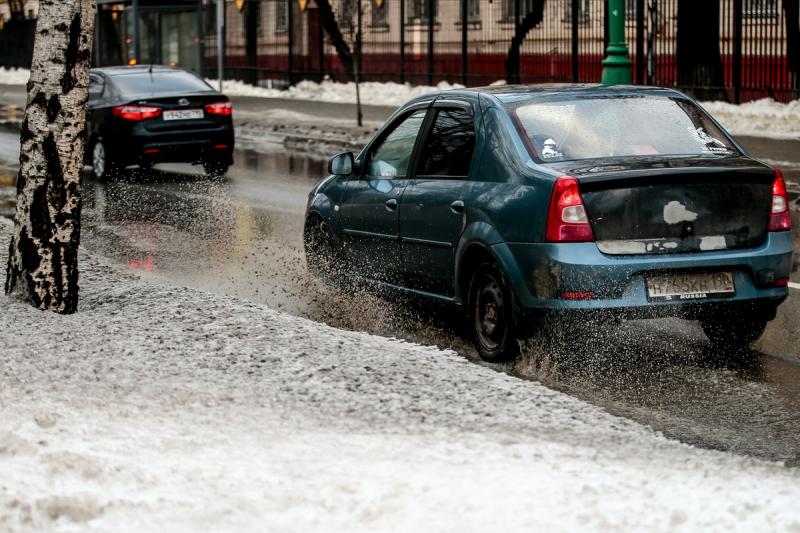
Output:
x=160 y=408
x=14 y=76
x=761 y=118
x=372 y=93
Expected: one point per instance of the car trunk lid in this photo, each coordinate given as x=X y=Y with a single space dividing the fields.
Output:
x=675 y=205
x=174 y=108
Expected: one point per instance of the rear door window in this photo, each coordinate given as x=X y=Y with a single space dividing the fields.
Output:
x=141 y=83
x=449 y=147
x=392 y=156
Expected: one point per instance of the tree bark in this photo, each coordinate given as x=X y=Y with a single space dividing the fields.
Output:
x=43 y=254
x=698 y=56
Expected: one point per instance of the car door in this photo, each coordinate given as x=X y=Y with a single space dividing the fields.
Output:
x=432 y=212
x=369 y=206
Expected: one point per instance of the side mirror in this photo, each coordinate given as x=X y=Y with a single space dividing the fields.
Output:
x=341 y=164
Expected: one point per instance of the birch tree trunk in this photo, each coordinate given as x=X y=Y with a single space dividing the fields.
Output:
x=43 y=255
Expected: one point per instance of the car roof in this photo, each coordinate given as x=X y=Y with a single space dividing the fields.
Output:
x=121 y=70
x=507 y=94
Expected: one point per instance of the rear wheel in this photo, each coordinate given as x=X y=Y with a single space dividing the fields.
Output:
x=490 y=315
x=733 y=332
x=103 y=165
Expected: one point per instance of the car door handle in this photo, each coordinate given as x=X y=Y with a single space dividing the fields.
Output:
x=391 y=204
x=457 y=206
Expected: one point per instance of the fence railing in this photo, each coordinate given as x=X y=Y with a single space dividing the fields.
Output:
x=424 y=42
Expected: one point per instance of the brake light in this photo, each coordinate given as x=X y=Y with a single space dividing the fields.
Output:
x=136 y=112
x=780 y=219
x=567 y=220
x=577 y=295
x=219 y=108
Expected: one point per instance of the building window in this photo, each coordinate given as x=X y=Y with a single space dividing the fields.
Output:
x=761 y=8
x=418 y=12
x=473 y=11
x=379 y=13
x=282 y=15
x=347 y=13
x=525 y=7
x=583 y=12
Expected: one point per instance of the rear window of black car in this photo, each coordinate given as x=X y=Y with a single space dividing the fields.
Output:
x=160 y=82
x=618 y=126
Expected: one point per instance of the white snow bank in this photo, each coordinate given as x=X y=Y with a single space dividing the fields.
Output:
x=160 y=408
x=372 y=93
x=761 y=118
x=14 y=76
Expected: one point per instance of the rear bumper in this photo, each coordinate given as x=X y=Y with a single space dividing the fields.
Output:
x=187 y=146
x=540 y=273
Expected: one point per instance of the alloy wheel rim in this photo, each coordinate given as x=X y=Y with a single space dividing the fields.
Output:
x=99 y=159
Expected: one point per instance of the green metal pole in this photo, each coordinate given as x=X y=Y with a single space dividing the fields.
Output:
x=617 y=64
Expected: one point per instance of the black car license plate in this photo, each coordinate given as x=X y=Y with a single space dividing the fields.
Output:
x=690 y=286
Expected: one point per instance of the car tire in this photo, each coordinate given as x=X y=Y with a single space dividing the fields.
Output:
x=490 y=315
x=733 y=332
x=322 y=258
x=104 y=167
x=215 y=169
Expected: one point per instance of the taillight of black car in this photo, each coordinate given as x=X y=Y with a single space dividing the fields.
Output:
x=780 y=219
x=219 y=108
x=136 y=113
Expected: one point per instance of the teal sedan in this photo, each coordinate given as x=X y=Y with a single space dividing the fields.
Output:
x=514 y=203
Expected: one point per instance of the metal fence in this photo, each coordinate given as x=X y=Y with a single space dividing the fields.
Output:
x=16 y=42
x=424 y=42
x=278 y=42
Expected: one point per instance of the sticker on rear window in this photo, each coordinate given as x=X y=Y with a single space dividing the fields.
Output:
x=549 y=150
x=711 y=144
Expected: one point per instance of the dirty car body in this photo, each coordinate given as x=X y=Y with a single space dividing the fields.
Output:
x=518 y=202
x=149 y=114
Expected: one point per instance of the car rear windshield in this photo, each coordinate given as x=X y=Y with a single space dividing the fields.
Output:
x=618 y=126
x=160 y=82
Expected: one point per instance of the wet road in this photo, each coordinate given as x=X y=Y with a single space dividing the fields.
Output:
x=242 y=237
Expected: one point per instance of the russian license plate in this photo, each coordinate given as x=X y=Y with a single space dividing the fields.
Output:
x=183 y=114
x=690 y=286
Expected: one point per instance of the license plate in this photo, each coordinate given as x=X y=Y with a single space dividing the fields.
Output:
x=690 y=286
x=183 y=114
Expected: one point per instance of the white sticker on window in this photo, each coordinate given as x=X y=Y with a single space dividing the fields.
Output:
x=711 y=144
x=549 y=150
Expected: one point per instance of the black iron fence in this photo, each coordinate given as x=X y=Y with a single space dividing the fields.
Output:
x=731 y=49
x=754 y=52
x=16 y=42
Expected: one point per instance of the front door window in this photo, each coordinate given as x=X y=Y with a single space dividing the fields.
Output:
x=393 y=155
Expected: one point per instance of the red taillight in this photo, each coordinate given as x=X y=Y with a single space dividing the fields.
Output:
x=780 y=219
x=219 y=108
x=577 y=295
x=136 y=112
x=567 y=220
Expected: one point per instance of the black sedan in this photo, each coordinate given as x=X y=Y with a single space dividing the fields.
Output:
x=143 y=115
